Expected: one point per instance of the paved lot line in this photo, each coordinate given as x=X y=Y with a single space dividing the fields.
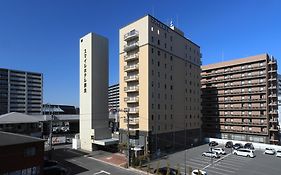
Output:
x=220 y=169
x=215 y=172
x=217 y=161
x=198 y=161
x=102 y=172
x=227 y=167
x=228 y=164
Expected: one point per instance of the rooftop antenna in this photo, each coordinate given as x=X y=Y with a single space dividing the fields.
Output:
x=171 y=23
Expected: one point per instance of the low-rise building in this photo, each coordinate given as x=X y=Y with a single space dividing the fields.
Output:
x=21 y=154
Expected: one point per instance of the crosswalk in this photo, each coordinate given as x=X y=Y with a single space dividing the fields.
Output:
x=227 y=165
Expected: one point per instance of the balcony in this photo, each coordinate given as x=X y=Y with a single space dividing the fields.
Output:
x=131 y=78
x=244 y=131
x=131 y=99
x=133 y=110
x=234 y=71
x=129 y=68
x=131 y=57
x=131 y=46
x=273 y=120
x=132 y=121
x=131 y=89
x=246 y=77
x=272 y=87
x=243 y=123
x=131 y=35
x=244 y=116
x=273 y=129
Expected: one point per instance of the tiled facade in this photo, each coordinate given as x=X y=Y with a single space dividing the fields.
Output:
x=239 y=99
x=160 y=85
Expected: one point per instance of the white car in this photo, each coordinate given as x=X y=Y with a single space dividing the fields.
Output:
x=218 y=150
x=269 y=151
x=278 y=153
x=196 y=172
x=244 y=152
x=211 y=154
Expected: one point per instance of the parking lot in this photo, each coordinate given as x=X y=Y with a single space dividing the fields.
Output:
x=228 y=164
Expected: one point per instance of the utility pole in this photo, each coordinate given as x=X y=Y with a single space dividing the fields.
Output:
x=126 y=110
x=128 y=134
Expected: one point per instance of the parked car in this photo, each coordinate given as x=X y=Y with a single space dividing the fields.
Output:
x=269 y=151
x=213 y=143
x=278 y=153
x=249 y=146
x=164 y=170
x=211 y=154
x=237 y=146
x=218 y=150
x=244 y=152
x=229 y=144
x=196 y=172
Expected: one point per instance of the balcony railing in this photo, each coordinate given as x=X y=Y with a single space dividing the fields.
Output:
x=131 y=67
x=131 y=35
x=132 y=121
x=131 y=99
x=233 y=71
x=133 y=110
x=232 y=79
x=131 y=46
x=244 y=131
x=131 y=78
x=131 y=57
x=131 y=89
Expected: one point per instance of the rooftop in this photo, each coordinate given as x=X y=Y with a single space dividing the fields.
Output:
x=8 y=139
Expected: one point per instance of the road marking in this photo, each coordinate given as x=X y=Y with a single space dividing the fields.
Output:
x=217 y=160
x=102 y=171
x=213 y=171
x=213 y=167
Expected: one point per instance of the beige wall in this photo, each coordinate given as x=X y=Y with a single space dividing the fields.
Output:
x=184 y=53
x=93 y=89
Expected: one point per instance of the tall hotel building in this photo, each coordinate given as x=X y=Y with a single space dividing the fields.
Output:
x=160 y=86
x=113 y=96
x=20 y=91
x=239 y=99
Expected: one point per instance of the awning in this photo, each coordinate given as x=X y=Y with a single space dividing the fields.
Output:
x=106 y=142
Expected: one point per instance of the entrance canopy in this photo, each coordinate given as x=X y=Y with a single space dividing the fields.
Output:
x=106 y=142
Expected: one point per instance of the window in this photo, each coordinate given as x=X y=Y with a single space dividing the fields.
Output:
x=158 y=53
x=158 y=42
x=250 y=73
x=152 y=29
x=165 y=35
x=152 y=116
x=261 y=64
x=152 y=50
x=152 y=39
x=242 y=82
x=171 y=39
x=243 y=75
x=249 y=66
x=158 y=32
x=158 y=63
x=242 y=67
x=249 y=82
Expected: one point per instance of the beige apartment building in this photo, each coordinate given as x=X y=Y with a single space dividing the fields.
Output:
x=160 y=87
x=239 y=99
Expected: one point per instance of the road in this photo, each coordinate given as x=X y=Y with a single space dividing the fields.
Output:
x=80 y=163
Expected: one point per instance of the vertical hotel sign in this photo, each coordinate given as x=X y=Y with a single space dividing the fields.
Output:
x=85 y=71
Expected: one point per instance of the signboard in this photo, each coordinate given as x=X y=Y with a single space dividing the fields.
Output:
x=58 y=140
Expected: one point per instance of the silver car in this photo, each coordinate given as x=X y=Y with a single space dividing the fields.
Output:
x=211 y=154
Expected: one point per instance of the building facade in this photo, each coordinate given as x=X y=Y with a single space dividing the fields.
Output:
x=159 y=87
x=113 y=96
x=239 y=99
x=279 y=100
x=93 y=90
x=20 y=154
x=113 y=106
x=20 y=91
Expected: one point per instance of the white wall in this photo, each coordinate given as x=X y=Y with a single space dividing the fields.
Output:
x=260 y=146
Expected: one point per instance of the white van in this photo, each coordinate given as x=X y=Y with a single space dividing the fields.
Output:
x=244 y=152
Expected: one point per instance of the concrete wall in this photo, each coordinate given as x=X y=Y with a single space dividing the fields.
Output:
x=93 y=89
x=260 y=146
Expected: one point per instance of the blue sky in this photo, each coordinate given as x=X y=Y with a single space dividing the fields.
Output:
x=43 y=36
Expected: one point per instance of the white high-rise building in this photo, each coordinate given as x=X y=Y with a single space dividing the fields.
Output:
x=93 y=91
x=279 y=99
